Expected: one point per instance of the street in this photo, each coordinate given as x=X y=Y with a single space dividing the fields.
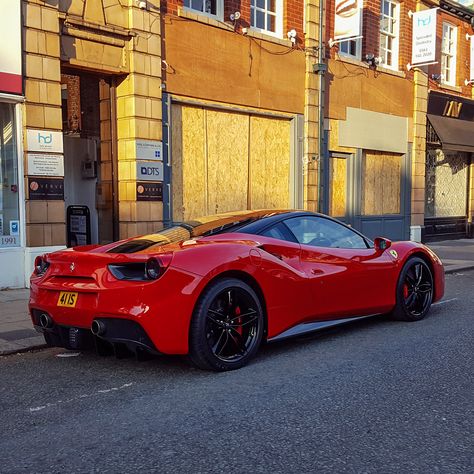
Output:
x=374 y=396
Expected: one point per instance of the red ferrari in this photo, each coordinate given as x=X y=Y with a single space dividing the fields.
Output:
x=215 y=288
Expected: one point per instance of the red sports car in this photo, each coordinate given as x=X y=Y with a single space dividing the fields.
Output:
x=215 y=288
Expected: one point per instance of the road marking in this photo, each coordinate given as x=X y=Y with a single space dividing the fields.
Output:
x=445 y=301
x=80 y=397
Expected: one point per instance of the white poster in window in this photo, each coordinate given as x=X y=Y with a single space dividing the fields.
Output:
x=424 y=37
x=14 y=227
x=347 y=18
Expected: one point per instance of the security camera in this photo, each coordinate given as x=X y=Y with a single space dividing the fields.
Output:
x=292 y=35
x=141 y=5
x=234 y=16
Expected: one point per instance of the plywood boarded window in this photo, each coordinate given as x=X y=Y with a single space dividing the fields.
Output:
x=381 y=177
x=226 y=161
x=337 y=186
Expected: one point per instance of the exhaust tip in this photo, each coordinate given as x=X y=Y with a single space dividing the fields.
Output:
x=98 y=328
x=45 y=321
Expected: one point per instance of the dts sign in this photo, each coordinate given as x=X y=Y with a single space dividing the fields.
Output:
x=150 y=171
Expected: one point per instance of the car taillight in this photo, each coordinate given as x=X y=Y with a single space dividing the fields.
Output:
x=156 y=266
x=41 y=265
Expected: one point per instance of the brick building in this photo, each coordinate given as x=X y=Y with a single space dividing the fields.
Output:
x=132 y=114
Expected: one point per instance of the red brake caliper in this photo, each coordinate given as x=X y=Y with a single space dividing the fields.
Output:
x=405 y=291
x=238 y=320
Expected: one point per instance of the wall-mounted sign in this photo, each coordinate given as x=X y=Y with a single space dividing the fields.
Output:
x=10 y=47
x=150 y=171
x=149 y=191
x=424 y=37
x=347 y=18
x=451 y=106
x=148 y=150
x=44 y=140
x=45 y=165
x=51 y=189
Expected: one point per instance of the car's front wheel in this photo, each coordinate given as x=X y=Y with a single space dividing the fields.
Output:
x=414 y=291
x=226 y=327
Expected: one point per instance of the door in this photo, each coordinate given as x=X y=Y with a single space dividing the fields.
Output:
x=345 y=276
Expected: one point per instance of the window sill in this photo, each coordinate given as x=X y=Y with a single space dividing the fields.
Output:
x=350 y=60
x=450 y=88
x=393 y=72
x=203 y=18
x=213 y=21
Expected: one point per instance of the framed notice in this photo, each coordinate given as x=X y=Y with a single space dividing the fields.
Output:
x=51 y=189
x=42 y=164
x=149 y=191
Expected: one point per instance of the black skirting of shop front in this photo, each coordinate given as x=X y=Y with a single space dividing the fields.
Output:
x=446 y=228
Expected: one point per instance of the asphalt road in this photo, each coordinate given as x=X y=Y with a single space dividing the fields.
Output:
x=374 y=396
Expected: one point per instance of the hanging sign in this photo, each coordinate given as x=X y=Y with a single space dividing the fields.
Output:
x=347 y=18
x=40 y=164
x=424 y=37
x=471 y=75
x=10 y=48
x=44 y=140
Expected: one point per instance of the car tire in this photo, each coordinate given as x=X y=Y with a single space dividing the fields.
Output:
x=414 y=291
x=227 y=326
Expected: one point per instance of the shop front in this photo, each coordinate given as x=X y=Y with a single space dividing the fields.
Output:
x=448 y=176
x=12 y=239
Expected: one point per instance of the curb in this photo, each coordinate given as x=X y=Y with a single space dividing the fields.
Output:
x=22 y=350
x=458 y=268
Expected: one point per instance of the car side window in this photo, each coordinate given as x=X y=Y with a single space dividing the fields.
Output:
x=279 y=231
x=322 y=232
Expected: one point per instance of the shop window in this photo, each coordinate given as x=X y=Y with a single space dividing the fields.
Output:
x=350 y=48
x=389 y=33
x=381 y=178
x=448 y=54
x=266 y=16
x=447 y=177
x=9 y=206
x=209 y=7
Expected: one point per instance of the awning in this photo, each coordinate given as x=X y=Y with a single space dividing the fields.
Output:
x=454 y=134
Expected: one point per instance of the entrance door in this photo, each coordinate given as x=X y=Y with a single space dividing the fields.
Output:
x=369 y=191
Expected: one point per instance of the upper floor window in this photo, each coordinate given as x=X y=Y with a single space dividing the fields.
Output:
x=350 y=48
x=448 y=54
x=210 y=7
x=267 y=16
x=389 y=33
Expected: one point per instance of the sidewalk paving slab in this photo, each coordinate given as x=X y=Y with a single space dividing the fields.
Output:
x=17 y=333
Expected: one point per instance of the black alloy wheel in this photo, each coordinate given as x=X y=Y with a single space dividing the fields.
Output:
x=414 y=291
x=227 y=326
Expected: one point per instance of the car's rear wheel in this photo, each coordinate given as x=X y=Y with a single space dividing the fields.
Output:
x=414 y=291
x=226 y=327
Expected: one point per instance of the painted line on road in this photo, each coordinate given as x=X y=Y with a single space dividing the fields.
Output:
x=80 y=397
x=445 y=301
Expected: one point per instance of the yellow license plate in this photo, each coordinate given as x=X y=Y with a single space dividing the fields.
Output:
x=67 y=298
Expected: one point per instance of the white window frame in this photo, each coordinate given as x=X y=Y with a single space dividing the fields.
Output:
x=358 y=49
x=278 y=18
x=393 y=35
x=449 y=51
x=219 y=9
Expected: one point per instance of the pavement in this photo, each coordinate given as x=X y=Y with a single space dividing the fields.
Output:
x=17 y=333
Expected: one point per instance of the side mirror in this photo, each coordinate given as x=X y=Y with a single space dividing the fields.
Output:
x=381 y=244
